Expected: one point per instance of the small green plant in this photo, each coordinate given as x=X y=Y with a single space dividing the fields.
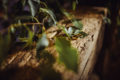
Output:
x=30 y=30
x=76 y=29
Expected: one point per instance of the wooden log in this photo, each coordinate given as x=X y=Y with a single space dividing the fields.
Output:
x=88 y=49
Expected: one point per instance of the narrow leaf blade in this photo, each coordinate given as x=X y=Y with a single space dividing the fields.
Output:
x=32 y=7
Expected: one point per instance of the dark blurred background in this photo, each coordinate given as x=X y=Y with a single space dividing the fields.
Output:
x=108 y=62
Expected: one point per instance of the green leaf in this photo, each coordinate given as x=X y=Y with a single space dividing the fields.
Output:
x=74 y=5
x=29 y=40
x=69 y=16
x=23 y=2
x=69 y=31
x=107 y=20
x=32 y=7
x=64 y=30
x=12 y=29
x=79 y=33
x=51 y=14
x=42 y=42
x=4 y=45
x=78 y=24
x=76 y=32
x=67 y=54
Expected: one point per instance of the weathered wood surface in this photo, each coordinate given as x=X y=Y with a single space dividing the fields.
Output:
x=88 y=49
